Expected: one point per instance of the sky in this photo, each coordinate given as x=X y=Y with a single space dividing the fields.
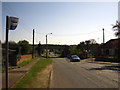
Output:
x=69 y=22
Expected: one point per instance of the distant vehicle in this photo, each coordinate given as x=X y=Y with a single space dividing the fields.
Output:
x=74 y=58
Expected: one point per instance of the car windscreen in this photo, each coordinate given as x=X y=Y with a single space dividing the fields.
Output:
x=74 y=56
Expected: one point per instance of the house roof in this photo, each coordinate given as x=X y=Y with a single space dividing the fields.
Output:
x=113 y=43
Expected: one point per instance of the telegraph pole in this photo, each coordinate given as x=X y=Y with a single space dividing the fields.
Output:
x=33 y=45
x=46 y=48
x=103 y=36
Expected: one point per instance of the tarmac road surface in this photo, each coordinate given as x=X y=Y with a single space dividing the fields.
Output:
x=66 y=74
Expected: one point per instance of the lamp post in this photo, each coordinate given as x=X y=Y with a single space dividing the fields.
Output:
x=47 y=45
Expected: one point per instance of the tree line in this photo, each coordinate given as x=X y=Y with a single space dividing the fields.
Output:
x=84 y=49
x=21 y=47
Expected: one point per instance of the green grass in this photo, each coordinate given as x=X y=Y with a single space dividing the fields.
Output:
x=20 y=64
x=41 y=64
x=27 y=61
x=112 y=57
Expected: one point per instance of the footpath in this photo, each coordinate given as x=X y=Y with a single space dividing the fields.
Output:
x=16 y=74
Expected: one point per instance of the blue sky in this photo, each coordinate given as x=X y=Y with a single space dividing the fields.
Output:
x=70 y=22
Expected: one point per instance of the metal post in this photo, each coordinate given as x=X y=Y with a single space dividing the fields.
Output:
x=7 y=52
x=47 y=45
x=33 y=45
x=103 y=36
x=46 y=48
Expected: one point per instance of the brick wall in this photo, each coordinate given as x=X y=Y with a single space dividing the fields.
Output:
x=24 y=58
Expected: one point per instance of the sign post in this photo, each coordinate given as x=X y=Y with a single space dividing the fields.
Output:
x=11 y=24
x=7 y=57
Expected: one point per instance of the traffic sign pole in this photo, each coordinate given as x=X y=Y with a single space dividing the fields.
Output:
x=7 y=53
x=11 y=24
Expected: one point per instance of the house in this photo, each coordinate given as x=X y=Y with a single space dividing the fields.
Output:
x=109 y=48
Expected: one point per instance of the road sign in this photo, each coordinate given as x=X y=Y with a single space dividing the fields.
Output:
x=13 y=23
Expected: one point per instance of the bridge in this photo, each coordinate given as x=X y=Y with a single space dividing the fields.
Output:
x=52 y=46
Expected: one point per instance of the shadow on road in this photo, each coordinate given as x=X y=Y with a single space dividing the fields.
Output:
x=18 y=71
x=113 y=60
x=115 y=68
x=100 y=62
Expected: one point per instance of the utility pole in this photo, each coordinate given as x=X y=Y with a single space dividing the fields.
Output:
x=46 y=48
x=103 y=36
x=33 y=45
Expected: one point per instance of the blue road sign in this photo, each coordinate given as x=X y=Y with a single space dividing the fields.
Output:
x=13 y=23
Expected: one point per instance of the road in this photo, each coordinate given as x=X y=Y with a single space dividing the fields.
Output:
x=83 y=74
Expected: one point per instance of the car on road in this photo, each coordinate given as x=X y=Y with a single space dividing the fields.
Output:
x=74 y=58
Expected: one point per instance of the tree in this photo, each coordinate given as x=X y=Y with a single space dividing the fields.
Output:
x=25 y=46
x=65 y=51
x=93 y=41
x=81 y=46
x=13 y=45
x=73 y=50
x=116 y=28
x=88 y=47
x=39 y=49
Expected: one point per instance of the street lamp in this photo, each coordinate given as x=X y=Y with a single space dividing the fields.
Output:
x=47 y=45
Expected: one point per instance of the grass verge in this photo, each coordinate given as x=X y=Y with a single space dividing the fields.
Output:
x=39 y=66
x=27 y=61
x=20 y=64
